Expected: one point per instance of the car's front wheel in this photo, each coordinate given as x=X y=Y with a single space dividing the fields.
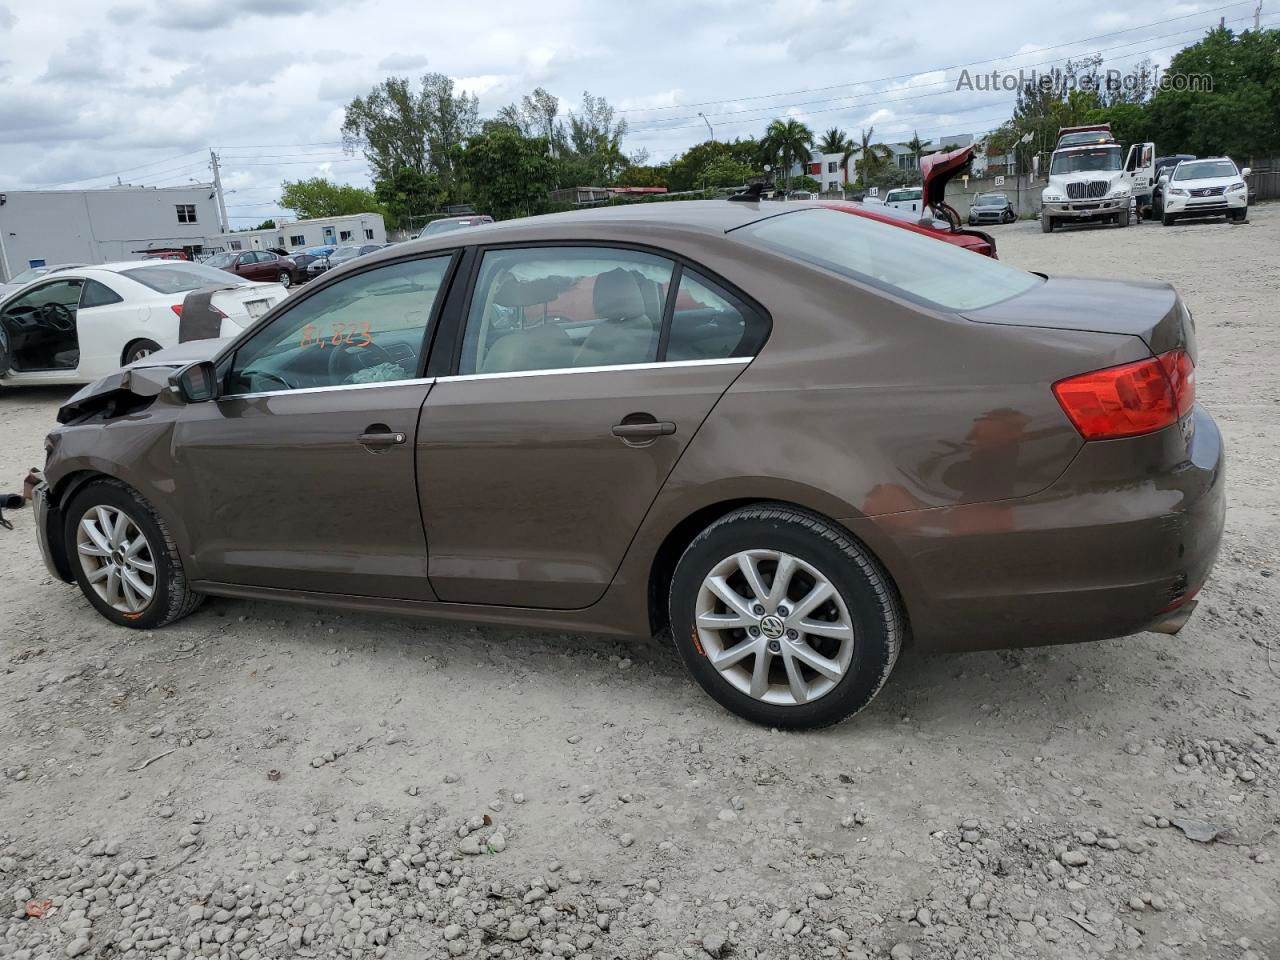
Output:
x=124 y=559
x=1046 y=223
x=783 y=618
x=1167 y=219
x=285 y=279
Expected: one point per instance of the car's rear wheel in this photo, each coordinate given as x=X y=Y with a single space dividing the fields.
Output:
x=285 y=279
x=783 y=618
x=124 y=559
x=137 y=350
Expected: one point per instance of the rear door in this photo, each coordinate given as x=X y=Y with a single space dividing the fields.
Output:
x=581 y=374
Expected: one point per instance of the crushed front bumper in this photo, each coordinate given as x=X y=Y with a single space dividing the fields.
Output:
x=47 y=517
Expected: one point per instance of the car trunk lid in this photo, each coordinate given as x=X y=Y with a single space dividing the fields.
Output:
x=1151 y=311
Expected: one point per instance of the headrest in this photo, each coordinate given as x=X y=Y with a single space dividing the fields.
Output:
x=617 y=296
x=513 y=292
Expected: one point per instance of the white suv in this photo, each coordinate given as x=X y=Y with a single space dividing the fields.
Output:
x=1205 y=188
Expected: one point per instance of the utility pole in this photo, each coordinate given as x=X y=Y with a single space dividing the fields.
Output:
x=1257 y=16
x=217 y=189
x=708 y=123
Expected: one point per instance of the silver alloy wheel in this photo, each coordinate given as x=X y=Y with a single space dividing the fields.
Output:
x=137 y=353
x=285 y=279
x=116 y=558
x=774 y=626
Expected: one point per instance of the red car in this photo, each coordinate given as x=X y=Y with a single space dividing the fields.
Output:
x=257 y=265
x=938 y=219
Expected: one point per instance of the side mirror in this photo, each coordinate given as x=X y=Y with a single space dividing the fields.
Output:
x=1164 y=178
x=196 y=382
x=1245 y=171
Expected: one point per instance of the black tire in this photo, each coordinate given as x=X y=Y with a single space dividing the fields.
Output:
x=1122 y=218
x=872 y=602
x=173 y=598
x=1167 y=219
x=1046 y=223
x=137 y=350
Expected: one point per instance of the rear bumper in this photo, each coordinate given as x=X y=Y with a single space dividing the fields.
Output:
x=1116 y=546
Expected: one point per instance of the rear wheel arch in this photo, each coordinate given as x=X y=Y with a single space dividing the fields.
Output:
x=133 y=344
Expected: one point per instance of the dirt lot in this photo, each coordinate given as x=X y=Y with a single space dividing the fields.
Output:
x=266 y=781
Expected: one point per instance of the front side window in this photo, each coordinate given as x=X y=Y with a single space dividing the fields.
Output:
x=368 y=328
x=562 y=307
x=901 y=262
x=186 y=212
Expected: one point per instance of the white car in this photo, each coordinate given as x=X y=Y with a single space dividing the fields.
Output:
x=77 y=325
x=905 y=198
x=1205 y=188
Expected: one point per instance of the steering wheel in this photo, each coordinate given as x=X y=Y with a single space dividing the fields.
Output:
x=57 y=316
x=342 y=357
x=268 y=375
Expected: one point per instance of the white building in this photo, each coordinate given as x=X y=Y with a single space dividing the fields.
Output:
x=826 y=168
x=300 y=234
x=100 y=226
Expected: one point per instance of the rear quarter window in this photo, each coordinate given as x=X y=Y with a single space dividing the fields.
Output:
x=930 y=272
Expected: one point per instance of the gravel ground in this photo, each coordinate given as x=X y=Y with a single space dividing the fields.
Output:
x=271 y=781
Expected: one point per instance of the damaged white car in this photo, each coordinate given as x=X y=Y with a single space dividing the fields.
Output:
x=77 y=325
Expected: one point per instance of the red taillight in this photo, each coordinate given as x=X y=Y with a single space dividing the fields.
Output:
x=177 y=308
x=1131 y=399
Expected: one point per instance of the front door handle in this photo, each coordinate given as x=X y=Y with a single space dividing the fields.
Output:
x=644 y=430
x=381 y=440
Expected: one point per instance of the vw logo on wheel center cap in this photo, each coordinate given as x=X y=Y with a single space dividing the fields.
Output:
x=772 y=627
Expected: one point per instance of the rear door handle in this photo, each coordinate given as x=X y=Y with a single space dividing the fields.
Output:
x=659 y=428
x=381 y=439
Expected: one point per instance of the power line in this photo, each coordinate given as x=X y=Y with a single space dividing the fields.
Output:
x=774 y=108
x=971 y=63
x=144 y=166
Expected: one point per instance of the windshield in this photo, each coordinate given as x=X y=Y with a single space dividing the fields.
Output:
x=1204 y=169
x=220 y=260
x=1076 y=161
x=35 y=273
x=993 y=200
x=901 y=262
x=344 y=253
x=443 y=226
x=180 y=277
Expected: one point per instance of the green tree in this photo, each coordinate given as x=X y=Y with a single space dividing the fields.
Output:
x=423 y=131
x=873 y=158
x=266 y=225
x=834 y=140
x=407 y=195
x=319 y=197
x=510 y=175
x=1240 y=117
x=639 y=175
x=806 y=182
x=725 y=171
x=917 y=147
x=787 y=142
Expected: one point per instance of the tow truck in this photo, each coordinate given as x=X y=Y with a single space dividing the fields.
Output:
x=1089 y=182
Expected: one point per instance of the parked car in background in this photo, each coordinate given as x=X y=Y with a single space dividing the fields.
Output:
x=991 y=208
x=1206 y=188
x=302 y=260
x=791 y=439
x=445 y=224
x=905 y=198
x=20 y=280
x=340 y=256
x=1164 y=165
x=262 y=265
x=81 y=323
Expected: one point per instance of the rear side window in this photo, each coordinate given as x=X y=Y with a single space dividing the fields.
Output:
x=902 y=262
x=560 y=307
x=97 y=294
x=709 y=323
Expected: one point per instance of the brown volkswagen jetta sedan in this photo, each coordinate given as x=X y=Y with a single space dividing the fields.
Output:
x=798 y=438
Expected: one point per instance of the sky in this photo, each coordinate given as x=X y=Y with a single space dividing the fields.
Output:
x=140 y=90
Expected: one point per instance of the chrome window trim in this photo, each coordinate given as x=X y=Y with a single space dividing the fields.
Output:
x=655 y=365
x=414 y=381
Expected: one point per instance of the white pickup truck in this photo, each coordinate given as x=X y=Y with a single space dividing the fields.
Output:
x=1092 y=180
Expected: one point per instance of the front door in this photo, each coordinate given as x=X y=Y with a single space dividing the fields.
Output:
x=572 y=402
x=301 y=476
x=40 y=327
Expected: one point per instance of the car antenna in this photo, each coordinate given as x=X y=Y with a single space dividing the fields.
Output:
x=749 y=195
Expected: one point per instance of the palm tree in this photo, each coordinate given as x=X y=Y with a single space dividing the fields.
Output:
x=874 y=157
x=917 y=146
x=834 y=140
x=787 y=141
